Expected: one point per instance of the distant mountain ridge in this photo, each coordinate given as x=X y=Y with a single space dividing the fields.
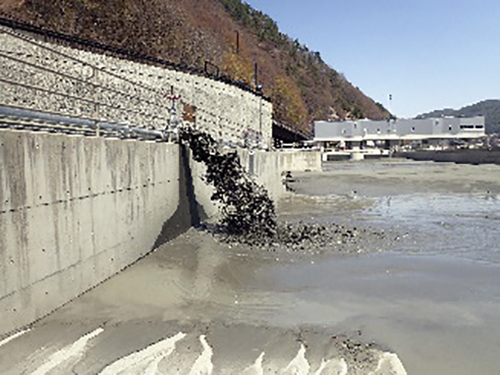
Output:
x=488 y=108
x=225 y=34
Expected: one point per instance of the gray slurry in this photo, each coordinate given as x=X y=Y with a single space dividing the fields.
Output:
x=197 y=305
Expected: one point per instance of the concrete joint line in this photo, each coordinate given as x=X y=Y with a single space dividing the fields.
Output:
x=83 y=197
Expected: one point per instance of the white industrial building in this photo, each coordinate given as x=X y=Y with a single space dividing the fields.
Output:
x=397 y=133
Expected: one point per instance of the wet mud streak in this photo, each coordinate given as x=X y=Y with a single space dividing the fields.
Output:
x=246 y=208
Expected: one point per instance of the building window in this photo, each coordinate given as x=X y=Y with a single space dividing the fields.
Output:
x=413 y=129
x=450 y=128
x=479 y=126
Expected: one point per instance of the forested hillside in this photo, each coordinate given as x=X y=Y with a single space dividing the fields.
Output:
x=488 y=108
x=228 y=34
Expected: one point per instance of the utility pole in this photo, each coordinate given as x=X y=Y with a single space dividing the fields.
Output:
x=255 y=75
x=95 y=99
x=237 y=42
x=260 y=121
x=390 y=104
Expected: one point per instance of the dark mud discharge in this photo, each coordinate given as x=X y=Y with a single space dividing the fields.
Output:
x=246 y=207
x=248 y=213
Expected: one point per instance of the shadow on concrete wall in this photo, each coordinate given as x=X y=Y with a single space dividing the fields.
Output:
x=189 y=212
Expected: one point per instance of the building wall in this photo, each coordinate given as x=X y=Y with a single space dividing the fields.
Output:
x=400 y=129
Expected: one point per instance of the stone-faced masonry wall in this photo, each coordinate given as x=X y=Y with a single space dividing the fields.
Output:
x=52 y=78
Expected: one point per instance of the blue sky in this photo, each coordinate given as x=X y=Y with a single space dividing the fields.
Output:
x=429 y=54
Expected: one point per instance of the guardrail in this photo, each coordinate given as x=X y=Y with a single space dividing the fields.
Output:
x=23 y=119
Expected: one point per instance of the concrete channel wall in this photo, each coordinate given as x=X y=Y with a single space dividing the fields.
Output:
x=265 y=168
x=73 y=212
x=300 y=161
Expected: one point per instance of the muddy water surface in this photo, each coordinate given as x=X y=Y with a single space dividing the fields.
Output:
x=422 y=281
x=434 y=298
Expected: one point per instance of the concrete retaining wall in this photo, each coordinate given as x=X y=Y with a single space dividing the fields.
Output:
x=300 y=160
x=265 y=168
x=73 y=212
x=202 y=191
